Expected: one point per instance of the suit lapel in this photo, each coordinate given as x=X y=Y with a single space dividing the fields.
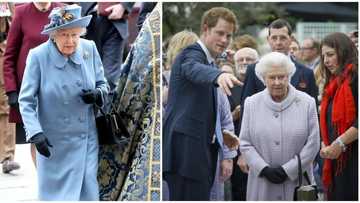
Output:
x=214 y=90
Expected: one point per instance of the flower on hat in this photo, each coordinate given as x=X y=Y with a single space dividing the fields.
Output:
x=59 y=16
x=66 y=17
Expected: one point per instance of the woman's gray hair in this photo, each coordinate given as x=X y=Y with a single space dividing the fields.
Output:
x=274 y=59
x=53 y=33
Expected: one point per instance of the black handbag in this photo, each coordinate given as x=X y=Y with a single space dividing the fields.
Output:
x=304 y=192
x=111 y=128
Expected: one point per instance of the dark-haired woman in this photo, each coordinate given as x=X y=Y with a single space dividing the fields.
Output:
x=338 y=117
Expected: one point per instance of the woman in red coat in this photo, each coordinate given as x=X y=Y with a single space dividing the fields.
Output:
x=24 y=34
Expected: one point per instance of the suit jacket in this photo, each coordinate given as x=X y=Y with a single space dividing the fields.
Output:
x=121 y=25
x=190 y=115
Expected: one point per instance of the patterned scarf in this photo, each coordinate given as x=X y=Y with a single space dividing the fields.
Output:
x=342 y=117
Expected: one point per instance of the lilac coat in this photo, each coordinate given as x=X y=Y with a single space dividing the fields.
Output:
x=272 y=134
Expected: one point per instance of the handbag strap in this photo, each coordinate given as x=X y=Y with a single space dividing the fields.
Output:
x=99 y=108
x=112 y=104
x=299 y=169
x=307 y=178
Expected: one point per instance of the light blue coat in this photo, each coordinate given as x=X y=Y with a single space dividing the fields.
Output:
x=50 y=102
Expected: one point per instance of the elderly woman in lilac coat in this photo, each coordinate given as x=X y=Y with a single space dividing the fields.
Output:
x=278 y=123
x=63 y=80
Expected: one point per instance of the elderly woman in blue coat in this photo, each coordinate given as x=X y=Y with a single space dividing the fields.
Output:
x=63 y=80
x=278 y=124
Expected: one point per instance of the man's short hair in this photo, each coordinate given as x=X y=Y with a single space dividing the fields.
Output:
x=211 y=17
x=253 y=52
x=280 y=23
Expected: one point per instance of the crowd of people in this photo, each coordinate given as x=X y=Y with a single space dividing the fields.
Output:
x=295 y=105
x=57 y=74
x=237 y=124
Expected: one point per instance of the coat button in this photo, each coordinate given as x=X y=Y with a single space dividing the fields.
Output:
x=277 y=142
x=276 y=115
x=78 y=82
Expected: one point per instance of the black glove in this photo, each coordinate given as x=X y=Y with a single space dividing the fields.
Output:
x=92 y=96
x=13 y=99
x=275 y=175
x=42 y=144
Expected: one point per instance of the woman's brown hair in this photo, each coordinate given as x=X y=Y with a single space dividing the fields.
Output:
x=346 y=51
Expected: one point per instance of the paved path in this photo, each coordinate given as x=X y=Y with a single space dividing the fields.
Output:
x=20 y=185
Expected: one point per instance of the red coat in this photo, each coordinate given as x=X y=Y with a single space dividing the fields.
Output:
x=24 y=34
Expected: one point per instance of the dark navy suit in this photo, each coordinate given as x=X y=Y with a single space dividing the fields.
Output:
x=189 y=157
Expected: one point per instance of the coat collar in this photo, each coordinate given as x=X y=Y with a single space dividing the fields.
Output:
x=59 y=60
x=210 y=59
x=281 y=106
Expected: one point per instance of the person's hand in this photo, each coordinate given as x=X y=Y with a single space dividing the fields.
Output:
x=226 y=81
x=332 y=151
x=230 y=55
x=275 y=175
x=226 y=167
x=116 y=12
x=42 y=144
x=230 y=140
x=91 y=96
x=13 y=99
x=324 y=151
x=236 y=113
x=242 y=164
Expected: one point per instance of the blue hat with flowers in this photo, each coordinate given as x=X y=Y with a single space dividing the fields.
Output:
x=66 y=17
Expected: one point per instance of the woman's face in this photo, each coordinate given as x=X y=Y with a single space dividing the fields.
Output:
x=330 y=58
x=276 y=80
x=67 y=40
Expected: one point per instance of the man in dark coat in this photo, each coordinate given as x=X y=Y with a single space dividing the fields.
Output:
x=189 y=148
x=109 y=29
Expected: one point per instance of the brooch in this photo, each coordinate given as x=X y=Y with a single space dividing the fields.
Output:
x=86 y=55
